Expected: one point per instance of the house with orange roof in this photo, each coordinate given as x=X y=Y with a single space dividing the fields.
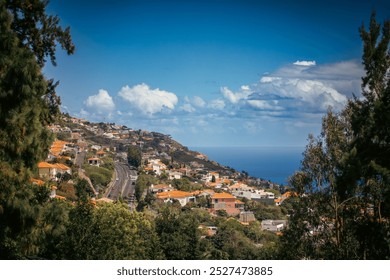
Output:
x=94 y=161
x=50 y=171
x=224 y=201
x=46 y=170
x=206 y=192
x=101 y=153
x=57 y=147
x=278 y=201
x=170 y=196
x=239 y=187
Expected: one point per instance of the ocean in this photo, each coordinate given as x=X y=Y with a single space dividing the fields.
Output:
x=276 y=164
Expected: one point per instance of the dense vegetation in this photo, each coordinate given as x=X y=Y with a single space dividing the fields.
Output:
x=340 y=211
x=343 y=187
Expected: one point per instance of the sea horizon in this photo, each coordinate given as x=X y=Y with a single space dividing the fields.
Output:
x=273 y=163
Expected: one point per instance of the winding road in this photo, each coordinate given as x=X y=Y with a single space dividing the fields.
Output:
x=123 y=185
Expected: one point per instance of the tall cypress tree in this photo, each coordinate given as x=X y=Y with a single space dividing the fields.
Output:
x=27 y=104
x=370 y=121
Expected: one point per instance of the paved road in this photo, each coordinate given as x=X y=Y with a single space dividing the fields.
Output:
x=124 y=184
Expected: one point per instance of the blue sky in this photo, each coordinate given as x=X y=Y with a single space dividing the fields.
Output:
x=213 y=73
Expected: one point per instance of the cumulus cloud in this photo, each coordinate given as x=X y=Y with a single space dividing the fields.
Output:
x=217 y=104
x=235 y=97
x=302 y=87
x=304 y=63
x=100 y=103
x=147 y=100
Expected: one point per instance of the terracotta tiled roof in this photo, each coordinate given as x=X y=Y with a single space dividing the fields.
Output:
x=44 y=164
x=173 y=194
x=61 y=166
x=57 y=147
x=222 y=195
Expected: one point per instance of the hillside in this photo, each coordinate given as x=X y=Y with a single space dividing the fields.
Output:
x=152 y=145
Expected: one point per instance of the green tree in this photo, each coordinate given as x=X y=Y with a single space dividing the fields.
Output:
x=27 y=106
x=37 y=30
x=134 y=156
x=178 y=233
x=343 y=186
x=370 y=123
x=52 y=227
x=124 y=235
x=230 y=242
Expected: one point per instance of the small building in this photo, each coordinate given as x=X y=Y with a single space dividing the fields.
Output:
x=273 y=225
x=46 y=170
x=101 y=154
x=182 y=197
x=175 y=175
x=160 y=188
x=224 y=201
x=50 y=171
x=94 y=161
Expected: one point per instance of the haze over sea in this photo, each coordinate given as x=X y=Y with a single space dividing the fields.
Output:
x=276 y=164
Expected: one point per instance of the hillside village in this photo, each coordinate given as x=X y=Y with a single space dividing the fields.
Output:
x=173 y=174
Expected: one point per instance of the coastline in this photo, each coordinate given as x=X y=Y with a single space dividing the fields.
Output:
x=270 y=163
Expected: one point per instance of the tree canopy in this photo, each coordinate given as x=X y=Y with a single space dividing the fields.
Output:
x=28 y=103
x=344 y=183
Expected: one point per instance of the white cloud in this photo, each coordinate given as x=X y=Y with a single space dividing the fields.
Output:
x=147 y=100
x=267 y=79
x=265 y=104
x=188 y=108
x=312 y=94
x=83 y=113
x=294 y=90
x=217 y=104
x=305 y=63
x=100 y=103
x=198 y=102
x=237 y=96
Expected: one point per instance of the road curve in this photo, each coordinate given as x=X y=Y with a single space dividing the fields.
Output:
x=123 y=185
